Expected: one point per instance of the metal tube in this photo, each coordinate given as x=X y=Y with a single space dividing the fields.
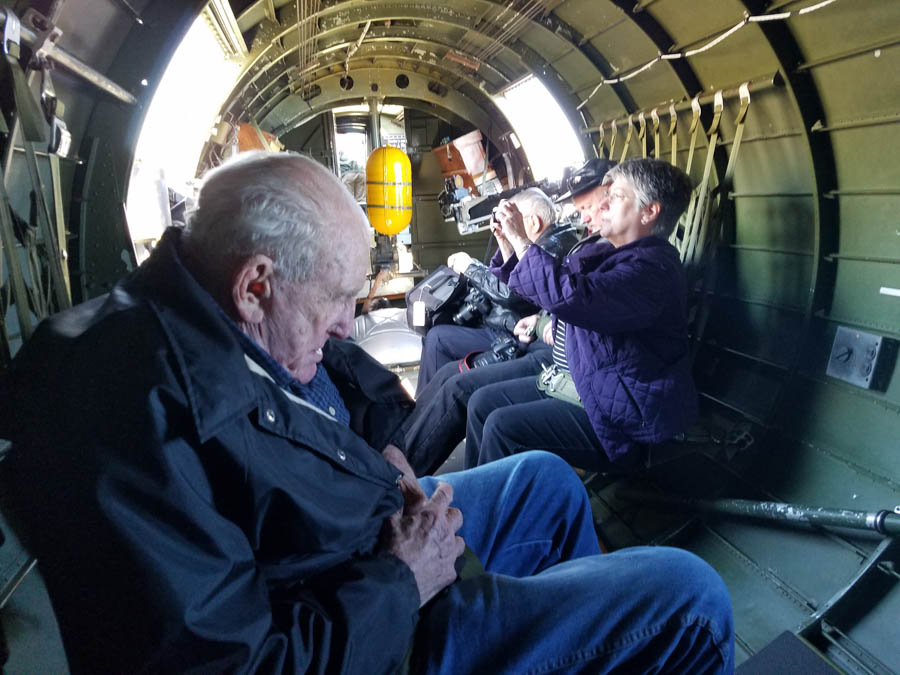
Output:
x=862 y=258
x=884 y=521
x=74 y=64
x=374 y=124
x=818 y=127
x=132 y=12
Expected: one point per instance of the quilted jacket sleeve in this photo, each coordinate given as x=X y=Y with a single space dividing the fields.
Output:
x=501 y=269
x=627 y=294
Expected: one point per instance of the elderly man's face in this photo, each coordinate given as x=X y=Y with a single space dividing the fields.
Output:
x=589 y=205
x=302 y=316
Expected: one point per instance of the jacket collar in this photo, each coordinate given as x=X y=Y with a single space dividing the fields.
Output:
x=209 y=358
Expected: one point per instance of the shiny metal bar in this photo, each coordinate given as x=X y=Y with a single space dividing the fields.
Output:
x=74 y=65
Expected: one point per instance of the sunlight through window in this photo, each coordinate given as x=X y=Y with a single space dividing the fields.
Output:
x=546 y=135
x=177 y=125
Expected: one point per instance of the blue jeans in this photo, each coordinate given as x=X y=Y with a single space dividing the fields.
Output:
x=550 y=602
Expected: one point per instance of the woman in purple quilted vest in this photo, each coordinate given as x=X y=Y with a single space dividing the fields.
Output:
x=621 y=376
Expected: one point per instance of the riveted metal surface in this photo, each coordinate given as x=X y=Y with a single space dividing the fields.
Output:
x=813 y=237
x=294 y=110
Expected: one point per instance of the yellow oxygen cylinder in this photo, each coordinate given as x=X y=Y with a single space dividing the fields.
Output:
x=389 y=189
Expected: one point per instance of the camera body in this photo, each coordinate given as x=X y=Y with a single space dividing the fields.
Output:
x=475 y=306
x=503 y=348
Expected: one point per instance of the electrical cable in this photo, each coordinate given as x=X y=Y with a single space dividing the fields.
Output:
x=781 y=16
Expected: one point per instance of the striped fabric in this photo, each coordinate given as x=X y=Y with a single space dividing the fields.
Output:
x=559 y=346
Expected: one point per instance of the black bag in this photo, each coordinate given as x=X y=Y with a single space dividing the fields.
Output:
x=435 y=299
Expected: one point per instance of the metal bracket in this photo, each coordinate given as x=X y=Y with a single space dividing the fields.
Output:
x=12 y=34
x=42 y=28
x=60 y=138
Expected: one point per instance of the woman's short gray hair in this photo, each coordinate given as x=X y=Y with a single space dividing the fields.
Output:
x=655 y=180
x=534 y=201
x=255 y=204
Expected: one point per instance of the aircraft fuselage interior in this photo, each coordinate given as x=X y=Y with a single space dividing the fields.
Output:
x=784 y=113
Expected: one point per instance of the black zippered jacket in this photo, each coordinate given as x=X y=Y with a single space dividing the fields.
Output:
x=187 y=515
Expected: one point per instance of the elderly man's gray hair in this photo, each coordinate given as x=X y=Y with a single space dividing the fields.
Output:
x=533 y=201
x=655 y=180
x=259 y=202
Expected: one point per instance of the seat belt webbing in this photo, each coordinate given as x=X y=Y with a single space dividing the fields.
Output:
x=627 y=140
x=696 y=225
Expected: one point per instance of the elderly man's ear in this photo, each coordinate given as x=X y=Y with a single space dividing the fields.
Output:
x=252 y=287
x=533 y=226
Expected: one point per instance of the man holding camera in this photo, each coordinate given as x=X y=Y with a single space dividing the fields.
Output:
x=448 y=343
x=621 y=376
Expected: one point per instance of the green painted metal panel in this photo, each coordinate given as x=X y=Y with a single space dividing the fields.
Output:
x=775 y=223
x=870 y=225
x=757 y=330
x=861 y=427
x=867 y=157
x=788 y=554
x=589 y=17
x=762 y=276
x=846 y=26
x=858 y=296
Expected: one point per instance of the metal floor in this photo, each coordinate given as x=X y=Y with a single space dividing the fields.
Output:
x=29 y=625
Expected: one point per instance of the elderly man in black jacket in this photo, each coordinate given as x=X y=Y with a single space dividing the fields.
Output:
x=208 y=473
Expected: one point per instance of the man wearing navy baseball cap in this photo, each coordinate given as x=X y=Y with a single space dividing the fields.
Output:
x=588 y=176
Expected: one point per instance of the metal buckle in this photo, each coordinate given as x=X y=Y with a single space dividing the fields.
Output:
x=12 y=32
x=548 y=376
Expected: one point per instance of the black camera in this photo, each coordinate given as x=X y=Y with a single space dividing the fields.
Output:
x=503 y=348
x=475 y=307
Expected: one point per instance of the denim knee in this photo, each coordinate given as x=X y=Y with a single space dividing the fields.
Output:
x=551 y=469
x=702 y=587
